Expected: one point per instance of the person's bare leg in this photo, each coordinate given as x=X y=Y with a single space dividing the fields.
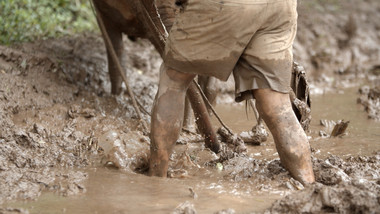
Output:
x=167 y=118
x=290 y=139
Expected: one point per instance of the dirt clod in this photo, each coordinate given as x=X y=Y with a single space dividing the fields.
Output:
x=370 y=99
x=343 y=186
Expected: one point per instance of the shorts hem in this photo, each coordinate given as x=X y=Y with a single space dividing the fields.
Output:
x=248 y=94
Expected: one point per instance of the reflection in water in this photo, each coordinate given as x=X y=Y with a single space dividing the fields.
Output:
x=113 y=191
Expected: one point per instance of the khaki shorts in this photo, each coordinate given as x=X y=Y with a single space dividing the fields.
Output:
x=251 y=38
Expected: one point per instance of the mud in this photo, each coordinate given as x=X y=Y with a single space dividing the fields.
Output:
x=56 y=113
x=341 y=41
x=343 y=186
x=370 y=99
x=60 y=127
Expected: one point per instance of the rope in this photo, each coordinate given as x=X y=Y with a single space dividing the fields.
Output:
x=118 y=66
x=212 y=108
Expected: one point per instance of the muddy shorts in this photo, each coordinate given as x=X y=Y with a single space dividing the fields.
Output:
x=251 y=38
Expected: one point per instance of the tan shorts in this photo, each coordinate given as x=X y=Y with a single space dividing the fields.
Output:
x=251 y=38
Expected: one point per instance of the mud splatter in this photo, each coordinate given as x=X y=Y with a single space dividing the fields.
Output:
x=370 y=99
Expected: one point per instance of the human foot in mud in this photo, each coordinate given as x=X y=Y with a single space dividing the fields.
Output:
x=290 y=139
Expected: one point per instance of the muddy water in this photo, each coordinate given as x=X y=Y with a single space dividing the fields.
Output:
x=362 y=138
x=112 y=191
x=115 y=191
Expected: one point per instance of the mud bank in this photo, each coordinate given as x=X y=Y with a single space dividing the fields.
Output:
x=338 y=37
x=56 y=113
x=343 y=186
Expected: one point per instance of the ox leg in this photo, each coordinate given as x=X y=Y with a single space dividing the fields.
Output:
x=116 y=38
x=202 y=118
x=210 y=89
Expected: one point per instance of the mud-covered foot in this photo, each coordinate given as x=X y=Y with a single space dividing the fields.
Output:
x=305 y=176
x=299 y=167
x=158 y=164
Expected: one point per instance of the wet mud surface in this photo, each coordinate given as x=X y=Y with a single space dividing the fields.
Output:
x=343 y=186
x=56 y=113
x=63 y=134
x=344 y=40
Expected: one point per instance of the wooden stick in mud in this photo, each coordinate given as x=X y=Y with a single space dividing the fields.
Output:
x=118 y=66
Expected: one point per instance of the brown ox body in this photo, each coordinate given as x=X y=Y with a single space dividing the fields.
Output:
x=122 y=16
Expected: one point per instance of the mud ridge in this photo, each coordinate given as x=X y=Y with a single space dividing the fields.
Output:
x=343 y=186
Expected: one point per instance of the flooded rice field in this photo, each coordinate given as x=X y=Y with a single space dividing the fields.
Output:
x=363 y=135
x=68 y=146
x=210 y=189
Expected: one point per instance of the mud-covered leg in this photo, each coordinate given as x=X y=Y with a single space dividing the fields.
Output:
x=290 y=139
x=115 y=36
x=167 y=118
